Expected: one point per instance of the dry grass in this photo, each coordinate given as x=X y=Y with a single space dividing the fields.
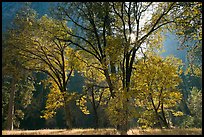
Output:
x=190 y=131
x=107 y=131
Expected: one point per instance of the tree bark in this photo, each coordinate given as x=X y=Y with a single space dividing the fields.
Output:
x=68 y=117
x=109 y=83
x=94 y=108
x=164 y=117
x=96 y=119
x=11 y=106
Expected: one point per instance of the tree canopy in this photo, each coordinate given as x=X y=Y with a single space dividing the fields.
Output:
x=115 y=47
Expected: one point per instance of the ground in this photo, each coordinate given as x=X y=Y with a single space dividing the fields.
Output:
x=108 y=131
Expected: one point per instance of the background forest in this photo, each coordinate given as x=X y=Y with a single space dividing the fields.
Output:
x=101 y=64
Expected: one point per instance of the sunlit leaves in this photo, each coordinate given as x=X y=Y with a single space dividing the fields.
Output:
x=54 y=101
x=107 y=35
x=42 y=51
x=155 y=82
x=82 y=105
x=178 y=113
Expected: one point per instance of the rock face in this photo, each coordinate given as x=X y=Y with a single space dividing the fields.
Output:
x=8 y=13
x=9 y=10
x=171 y=48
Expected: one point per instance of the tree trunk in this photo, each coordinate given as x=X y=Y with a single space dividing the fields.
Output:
x=164 y=118
x=159 y=120
x=94 y=108
x=122 y=129
x=113 y=69
x=11 y=106
x=96 y=119
x=68 y=117
x=125 y=126
x=109 y=83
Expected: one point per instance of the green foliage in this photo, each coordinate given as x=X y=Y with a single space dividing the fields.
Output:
x=13 y=70
x=23 y=97
x=188 y=122
x=195 y=106
x=194 y=118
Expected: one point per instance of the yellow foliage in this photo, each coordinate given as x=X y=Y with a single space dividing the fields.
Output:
x=82 y=105
x=156 y=78
x=178 y=113
x=54 y=101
